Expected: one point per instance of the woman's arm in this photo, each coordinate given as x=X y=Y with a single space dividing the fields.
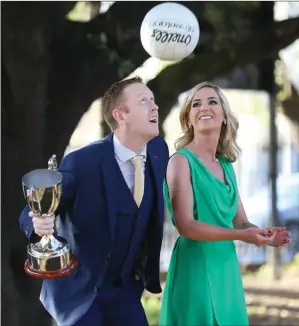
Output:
x=279 y=236
x=181 y=196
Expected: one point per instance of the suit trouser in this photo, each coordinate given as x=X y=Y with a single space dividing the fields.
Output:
x=115 y=306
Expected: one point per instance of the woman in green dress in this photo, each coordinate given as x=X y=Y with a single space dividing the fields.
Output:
x=204 y=285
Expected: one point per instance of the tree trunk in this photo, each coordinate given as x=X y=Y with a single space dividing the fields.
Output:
x=267 y=83
x=24 y=88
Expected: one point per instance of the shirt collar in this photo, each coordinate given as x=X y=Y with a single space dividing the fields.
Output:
x=123 y=153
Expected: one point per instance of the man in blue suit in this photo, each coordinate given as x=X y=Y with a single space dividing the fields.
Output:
x=111 y=211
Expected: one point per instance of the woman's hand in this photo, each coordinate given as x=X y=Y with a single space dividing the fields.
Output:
x=279 y=236
x=257 y=236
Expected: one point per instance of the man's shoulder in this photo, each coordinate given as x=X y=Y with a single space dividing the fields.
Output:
x=158 y=141
x=160 y=147
x=91 y=150
x=86 y=150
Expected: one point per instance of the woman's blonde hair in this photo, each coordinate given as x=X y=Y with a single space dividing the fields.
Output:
x=227 y=144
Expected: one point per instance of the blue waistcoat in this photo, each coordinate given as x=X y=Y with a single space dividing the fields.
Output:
x=130 y=228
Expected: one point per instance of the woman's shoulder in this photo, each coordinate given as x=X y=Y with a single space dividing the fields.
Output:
x=182 y=157
x=178 y=160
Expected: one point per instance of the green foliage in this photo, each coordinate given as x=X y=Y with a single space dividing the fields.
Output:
x=231 y=21
x=125 y=68
x=152 y=306
x=80 y=12
x=84 y=11
x=103 y=38
x=279 y=81
x=99 y=41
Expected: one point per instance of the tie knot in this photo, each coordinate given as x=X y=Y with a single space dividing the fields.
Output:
x=137 y=161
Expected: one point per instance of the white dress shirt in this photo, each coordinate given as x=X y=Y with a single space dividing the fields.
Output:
x=123 y=157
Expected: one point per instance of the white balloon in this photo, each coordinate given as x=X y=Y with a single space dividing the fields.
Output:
x=169 y=32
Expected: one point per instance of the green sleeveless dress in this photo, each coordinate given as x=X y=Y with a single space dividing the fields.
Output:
x=204 y=285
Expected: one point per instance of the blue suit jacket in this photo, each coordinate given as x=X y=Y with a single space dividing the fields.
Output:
x=87 y=213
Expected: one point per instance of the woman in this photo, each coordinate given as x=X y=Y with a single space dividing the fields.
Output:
x=204 y=285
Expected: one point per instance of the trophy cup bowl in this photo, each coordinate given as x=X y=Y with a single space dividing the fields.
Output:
x=51 y=256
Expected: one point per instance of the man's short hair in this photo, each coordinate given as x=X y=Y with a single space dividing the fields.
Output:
x=113 y=96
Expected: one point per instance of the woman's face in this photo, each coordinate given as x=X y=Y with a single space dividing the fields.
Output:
x=206 y=113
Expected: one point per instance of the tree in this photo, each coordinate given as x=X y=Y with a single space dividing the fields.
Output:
x=54 y=68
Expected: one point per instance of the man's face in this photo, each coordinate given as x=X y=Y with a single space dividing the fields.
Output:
x=139 y=111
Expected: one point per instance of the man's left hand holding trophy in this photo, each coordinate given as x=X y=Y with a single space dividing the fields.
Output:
x=43 y=225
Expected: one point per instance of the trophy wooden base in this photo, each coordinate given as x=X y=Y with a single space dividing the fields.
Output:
x=51 y=275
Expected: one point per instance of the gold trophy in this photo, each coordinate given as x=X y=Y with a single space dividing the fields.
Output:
x=51 y=256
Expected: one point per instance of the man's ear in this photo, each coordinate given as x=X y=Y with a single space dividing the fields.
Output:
x=118 y=115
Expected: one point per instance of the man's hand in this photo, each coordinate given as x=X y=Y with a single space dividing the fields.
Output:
x=43 y=225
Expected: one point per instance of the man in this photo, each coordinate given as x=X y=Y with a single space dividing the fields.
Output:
x=111 y=210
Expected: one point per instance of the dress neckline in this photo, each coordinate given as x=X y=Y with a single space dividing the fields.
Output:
x=220 y=159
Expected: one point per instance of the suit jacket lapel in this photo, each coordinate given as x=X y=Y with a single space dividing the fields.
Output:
x=109 y=169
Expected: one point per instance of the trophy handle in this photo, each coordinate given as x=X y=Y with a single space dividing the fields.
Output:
x=52 y=163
